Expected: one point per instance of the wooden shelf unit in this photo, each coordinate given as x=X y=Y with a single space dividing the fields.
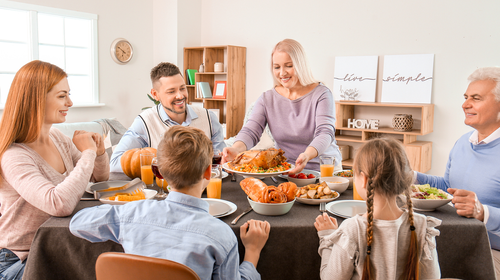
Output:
x=419 y=152
x=232 y=109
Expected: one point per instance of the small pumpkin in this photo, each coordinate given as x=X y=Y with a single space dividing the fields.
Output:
x=131 y=161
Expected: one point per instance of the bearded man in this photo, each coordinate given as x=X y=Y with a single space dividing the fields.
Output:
x=148 y=128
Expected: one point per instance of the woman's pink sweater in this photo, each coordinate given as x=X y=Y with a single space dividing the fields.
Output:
x=31 y=190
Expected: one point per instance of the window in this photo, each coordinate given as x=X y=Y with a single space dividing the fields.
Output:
x=65 y=38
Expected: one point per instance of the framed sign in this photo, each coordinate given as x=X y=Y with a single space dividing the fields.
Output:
x=355 y=78
x=407 y=78
x=220 y=89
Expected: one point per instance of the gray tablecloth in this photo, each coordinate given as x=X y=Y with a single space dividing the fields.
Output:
x=291 y=251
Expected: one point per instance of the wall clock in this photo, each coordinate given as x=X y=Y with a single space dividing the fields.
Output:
x=121 y=51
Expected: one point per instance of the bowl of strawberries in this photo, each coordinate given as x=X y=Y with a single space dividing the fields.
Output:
x=304 y=178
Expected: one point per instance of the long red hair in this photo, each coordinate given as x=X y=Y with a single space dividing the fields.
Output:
x=24 y=111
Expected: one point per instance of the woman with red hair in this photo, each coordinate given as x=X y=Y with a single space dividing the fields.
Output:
x=43 y=172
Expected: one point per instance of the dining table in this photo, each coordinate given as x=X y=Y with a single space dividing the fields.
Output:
x=291 y=251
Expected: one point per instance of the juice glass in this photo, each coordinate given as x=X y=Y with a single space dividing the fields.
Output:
x=355 y=194
x=215 y=185
x=146 y=172
x=326 y=166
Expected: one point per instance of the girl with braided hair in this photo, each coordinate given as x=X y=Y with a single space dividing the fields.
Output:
x=386 y=242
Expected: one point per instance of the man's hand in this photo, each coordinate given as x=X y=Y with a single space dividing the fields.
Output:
x=467 y=204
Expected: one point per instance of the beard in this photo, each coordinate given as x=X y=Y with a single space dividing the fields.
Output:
x=172 y=108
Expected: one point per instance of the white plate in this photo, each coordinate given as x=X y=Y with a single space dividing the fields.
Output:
x=224 y=174
x=147 y=192
x=256 y=175
x=307 y=171
x=346 y=208
x=311 y=201
x=111 y=184
x=229 y=203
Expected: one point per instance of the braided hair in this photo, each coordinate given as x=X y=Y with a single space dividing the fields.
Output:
x=384 y=162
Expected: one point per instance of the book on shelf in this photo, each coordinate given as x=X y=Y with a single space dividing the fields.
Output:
x=204 y=89
x=190 y=74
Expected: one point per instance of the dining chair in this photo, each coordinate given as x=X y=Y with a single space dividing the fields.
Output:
x=122 y=266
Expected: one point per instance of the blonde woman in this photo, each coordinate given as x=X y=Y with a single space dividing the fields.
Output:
x=299 y=110
x=43 y=172
x=386 y=242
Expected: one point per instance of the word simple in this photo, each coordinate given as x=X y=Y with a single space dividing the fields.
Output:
x=360 y=123
x=398 y=78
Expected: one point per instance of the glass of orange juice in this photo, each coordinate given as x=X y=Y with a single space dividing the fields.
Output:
x=146 y=171
x=326 y=166
x=355 y=194
x=215 y=185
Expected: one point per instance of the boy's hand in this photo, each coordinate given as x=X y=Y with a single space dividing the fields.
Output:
x=324 y=222
x=254 y=235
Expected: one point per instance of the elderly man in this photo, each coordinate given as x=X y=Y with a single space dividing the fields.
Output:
x=477 y=152
x=147 y=129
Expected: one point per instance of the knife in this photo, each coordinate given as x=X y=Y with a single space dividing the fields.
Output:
x=241 y=215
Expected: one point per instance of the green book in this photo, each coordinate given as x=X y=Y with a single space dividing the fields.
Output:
x=190 y=74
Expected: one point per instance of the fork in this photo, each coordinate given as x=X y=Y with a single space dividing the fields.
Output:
x=322 y=207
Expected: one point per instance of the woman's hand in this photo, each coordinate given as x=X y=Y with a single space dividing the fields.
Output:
x=303 y=159
x=300 y=163
x=84 y=140
x=324 y=222
x=99 y=141
x=229 y=153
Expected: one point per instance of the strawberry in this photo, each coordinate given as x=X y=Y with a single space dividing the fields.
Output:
x=311 y=176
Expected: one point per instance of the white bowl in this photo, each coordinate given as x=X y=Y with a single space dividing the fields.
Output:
x=348 y=178
x=336 y=183
x=271 y=209
x=429 y=204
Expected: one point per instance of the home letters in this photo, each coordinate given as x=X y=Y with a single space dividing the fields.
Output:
x=363 y=124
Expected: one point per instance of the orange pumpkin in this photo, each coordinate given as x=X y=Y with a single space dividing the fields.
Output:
x=131 y=161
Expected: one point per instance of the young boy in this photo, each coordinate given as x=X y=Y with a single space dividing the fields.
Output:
x=178 y=228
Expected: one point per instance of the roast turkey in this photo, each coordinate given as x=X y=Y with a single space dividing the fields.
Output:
x=266 y=158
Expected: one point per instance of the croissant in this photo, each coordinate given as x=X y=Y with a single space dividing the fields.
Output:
x=289 y=189
x=273 y=195
x=260 y=192
x=253 y=188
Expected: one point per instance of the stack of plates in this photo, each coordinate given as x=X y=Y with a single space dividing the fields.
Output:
x=346 y=208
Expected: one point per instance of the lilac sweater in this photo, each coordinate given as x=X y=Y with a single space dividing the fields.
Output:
x=31 y=190
x=295 y=124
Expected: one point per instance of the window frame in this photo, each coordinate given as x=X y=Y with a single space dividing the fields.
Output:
x=33 y=11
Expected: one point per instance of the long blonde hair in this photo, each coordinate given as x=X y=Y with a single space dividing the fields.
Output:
x=24 y=111
x=296 y=52
x=384 y=162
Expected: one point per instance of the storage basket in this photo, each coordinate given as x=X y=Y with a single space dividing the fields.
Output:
x=402 y=122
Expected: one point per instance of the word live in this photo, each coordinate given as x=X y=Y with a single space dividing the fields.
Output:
x=371 y=124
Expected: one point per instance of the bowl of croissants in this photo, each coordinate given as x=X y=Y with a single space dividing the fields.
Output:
x=269 y=200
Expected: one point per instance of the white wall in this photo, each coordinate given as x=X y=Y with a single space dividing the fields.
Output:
x=463 y=35
x=122 y=88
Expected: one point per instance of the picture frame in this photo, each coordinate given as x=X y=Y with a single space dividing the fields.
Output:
x=220 y=90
